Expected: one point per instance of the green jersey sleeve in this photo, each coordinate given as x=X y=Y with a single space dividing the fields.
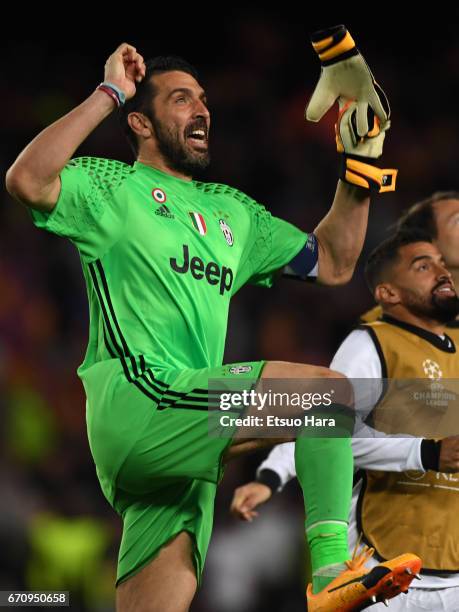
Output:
x=272 y=243
x=89 y=210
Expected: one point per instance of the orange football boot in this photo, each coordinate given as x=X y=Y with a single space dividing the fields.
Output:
x=359 y=587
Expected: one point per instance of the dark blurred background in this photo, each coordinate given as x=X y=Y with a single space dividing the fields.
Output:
x=56 y=529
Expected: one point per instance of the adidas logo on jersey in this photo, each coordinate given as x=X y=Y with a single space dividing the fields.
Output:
x=163 y=211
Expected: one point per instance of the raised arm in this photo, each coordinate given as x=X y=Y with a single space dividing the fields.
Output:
x=364 y=116
x=34 y=179
x=341 y=234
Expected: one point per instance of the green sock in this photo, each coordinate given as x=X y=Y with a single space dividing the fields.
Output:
x=329 y=549
x=319 y=581
x=324 y=467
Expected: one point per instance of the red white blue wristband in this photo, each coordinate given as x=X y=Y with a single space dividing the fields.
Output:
x=118 y=96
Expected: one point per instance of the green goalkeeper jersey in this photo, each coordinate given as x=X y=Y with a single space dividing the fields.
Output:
x=162 y=257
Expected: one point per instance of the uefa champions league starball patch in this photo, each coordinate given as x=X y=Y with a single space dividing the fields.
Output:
x=159 y=195
x=432 y=369
x=226 y=231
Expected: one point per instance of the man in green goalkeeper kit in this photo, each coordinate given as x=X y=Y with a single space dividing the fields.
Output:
x=162 y=255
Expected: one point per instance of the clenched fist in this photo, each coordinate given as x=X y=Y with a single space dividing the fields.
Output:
x=124 y=68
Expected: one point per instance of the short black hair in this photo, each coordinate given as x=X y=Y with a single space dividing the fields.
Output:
x=386 y=254
x=421 y=214
x=146 y=91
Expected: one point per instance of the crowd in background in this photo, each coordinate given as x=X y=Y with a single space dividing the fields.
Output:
x=57 y=532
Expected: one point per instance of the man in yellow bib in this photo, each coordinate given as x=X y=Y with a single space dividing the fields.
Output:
x=407 y=493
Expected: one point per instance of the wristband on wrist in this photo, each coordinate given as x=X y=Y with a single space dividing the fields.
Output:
x=118 y=96
x=270 y=478
x=360 y=171
x=333 y=45
x=430 y=454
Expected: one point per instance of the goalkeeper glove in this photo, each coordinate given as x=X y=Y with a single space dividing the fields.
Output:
x=357 y=154
x=345 y=74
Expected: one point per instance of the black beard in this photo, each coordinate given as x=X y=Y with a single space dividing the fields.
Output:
x=441 y=310
x=445 y=309
x=174 y=153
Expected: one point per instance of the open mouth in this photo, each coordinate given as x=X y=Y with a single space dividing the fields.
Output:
x=445 y=289
x=198 y=137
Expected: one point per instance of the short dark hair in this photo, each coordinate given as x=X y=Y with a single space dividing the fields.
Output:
x=421 y=214
x=386 y=254
x=146 y=91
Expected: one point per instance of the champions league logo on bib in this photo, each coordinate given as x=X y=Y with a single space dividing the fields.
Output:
x=226 y=231
x=433 y=372
x=432 y=369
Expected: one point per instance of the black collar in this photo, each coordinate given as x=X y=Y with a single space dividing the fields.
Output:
x=444 y=344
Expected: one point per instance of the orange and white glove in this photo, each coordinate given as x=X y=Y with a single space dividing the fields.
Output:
x=345 y=74
x=357 y=154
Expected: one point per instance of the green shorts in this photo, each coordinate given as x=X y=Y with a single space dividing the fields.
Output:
x=156 y=461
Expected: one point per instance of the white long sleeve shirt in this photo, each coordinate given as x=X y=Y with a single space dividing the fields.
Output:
x=358 y=358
